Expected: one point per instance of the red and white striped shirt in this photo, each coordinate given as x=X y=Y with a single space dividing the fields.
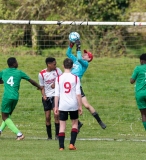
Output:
x=46 y=79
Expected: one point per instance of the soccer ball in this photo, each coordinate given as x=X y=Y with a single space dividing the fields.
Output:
x=73 y=36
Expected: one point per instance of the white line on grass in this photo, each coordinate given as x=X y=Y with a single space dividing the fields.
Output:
x=81 y=139
x=94 y=139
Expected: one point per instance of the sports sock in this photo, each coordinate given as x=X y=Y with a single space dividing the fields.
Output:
x=61 y=139
x=144 y=124
x=56 y=129
x=3 y=125
x=79 y=123
x=12 y=126
x=49 y=131
x=74 y=133
x=19 y=134
x=96 y=116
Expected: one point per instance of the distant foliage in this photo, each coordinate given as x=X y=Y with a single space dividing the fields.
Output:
x=41 y=37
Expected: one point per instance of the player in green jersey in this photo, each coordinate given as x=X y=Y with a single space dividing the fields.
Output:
x=139 y=75
x=11 y=77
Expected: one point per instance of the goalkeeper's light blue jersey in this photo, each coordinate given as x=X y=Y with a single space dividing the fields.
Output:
x=79 y=65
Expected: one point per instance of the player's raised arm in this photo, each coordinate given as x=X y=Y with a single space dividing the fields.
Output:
x=69 y=52
x=79 y=54
x=73 y=36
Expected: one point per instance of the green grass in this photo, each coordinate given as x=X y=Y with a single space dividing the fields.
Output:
x=41 y=149
x=106 y=85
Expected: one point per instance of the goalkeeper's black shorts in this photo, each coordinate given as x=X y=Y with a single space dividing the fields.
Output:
x=82 y=92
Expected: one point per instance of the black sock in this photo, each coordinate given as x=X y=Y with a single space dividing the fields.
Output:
x=61 y=139
x=79 y=123
x=56 y=129
x=49 y=131
x=74 y=133
x=96 y=116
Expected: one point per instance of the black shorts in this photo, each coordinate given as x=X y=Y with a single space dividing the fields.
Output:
x=63 y=115
x=48 y=104
x=82 y=92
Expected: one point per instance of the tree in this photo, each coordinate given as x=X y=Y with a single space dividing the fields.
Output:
x=83 y=10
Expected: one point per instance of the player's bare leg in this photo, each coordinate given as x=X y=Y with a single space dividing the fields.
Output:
x=48 y=124
x=56 y=119
x=143 y=115
x=93 y=112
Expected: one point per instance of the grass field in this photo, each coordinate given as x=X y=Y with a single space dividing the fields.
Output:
x=41 y=149
x=106 y=85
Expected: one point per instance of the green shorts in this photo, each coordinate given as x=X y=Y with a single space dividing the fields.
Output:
x=141 y=99
x=8 y=105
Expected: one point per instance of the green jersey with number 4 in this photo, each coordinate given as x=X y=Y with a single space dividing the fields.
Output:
x=139 y=74
x=12 y=78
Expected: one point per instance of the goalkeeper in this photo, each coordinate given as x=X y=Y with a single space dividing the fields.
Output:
x=80 y=65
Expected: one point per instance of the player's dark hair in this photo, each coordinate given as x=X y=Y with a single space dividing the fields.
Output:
x=50 y=60
x=143 y=56
x=68 y=63
x=11 y=61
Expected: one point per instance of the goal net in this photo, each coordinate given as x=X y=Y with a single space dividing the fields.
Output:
x=116 y=48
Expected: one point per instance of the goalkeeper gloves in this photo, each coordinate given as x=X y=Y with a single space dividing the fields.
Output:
x=71 y=44
x=78 y=45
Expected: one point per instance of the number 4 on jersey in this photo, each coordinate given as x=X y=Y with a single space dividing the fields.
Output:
x=10 y=81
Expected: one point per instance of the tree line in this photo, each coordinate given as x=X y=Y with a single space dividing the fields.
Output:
x=46 y=36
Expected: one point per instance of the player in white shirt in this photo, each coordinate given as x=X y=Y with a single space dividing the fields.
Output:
x=68 y=100
x=47 y=80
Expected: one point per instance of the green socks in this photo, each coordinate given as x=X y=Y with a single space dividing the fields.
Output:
x=11 y=126
x=144 y=124
x=3 y=125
